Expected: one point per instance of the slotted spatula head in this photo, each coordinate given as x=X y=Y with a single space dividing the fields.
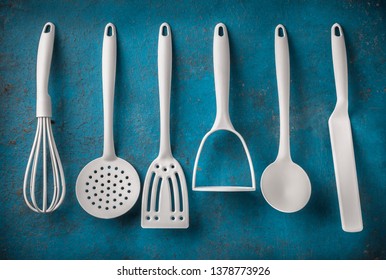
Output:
x=165 y=197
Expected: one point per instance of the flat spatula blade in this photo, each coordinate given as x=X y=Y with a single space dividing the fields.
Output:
x=345 y=172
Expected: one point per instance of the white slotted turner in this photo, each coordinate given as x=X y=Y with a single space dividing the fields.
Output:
x=341 y=140
x=165 y=194
x=108 y=186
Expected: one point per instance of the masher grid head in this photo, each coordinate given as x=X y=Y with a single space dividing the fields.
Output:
x=224 y=188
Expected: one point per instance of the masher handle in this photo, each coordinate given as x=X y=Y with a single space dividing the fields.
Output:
x=221 y=63
x=46 y=45
x=109 y=60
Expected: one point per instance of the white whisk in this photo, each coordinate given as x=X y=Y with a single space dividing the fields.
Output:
x=44 y=134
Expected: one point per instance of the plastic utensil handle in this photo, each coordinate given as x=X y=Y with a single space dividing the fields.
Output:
x=339 y=59
x=46 y=45
x=109 y=59
x=164 y=83
x=283 y=85
x=221 y=62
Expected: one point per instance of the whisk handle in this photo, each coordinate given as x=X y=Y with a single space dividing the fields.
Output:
x=46 y=45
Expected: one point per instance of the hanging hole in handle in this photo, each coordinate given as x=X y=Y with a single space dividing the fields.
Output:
x=109 y=31
x=280 y=32
x=47 y=29
x=220 y=31
x=337 y=31
x=164 y=30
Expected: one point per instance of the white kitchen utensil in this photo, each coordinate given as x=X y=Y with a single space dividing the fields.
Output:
x=165 y=194
x=109 y=186
x=44 y=133
x=341 y=140
x=221 y=61
x=284 y=184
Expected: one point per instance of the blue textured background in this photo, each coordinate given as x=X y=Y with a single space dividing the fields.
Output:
x=223 y=225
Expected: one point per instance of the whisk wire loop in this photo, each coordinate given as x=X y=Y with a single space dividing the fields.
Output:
x=44 y=133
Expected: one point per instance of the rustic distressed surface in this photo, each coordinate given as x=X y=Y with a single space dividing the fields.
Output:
x=223 y=225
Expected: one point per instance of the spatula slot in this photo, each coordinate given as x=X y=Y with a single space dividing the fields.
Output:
x=157 y=198
x=172 y=204
x=180 y=193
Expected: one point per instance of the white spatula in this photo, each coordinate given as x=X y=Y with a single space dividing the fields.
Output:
x=165 y=194
x=341 y=140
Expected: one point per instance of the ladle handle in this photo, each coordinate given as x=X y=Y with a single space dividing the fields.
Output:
x=43 y=67
x=221 y=63
x=283 y=85
x=164 y=84
x=339 y=59
x=109 y=59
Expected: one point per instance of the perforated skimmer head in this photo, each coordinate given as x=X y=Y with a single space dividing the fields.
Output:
x=107 y=189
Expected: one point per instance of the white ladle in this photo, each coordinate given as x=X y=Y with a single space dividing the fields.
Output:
x=284 y=184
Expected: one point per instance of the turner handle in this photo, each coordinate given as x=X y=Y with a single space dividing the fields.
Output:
x=164 y=83
x=109 y=60
x=283 y=86
x=221 y=63
x=46 y=45
x=339 y=59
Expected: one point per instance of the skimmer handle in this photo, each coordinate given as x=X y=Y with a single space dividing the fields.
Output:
x=109 y=60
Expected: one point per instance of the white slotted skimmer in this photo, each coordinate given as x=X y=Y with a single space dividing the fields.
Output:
x=108 y=186
x=165 y=194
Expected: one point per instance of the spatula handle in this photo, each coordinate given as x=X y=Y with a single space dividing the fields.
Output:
x=43 y=67
x=339 y=59
x=109 y=60
x=164 y=83
x=221 y=63
x=282 y=63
